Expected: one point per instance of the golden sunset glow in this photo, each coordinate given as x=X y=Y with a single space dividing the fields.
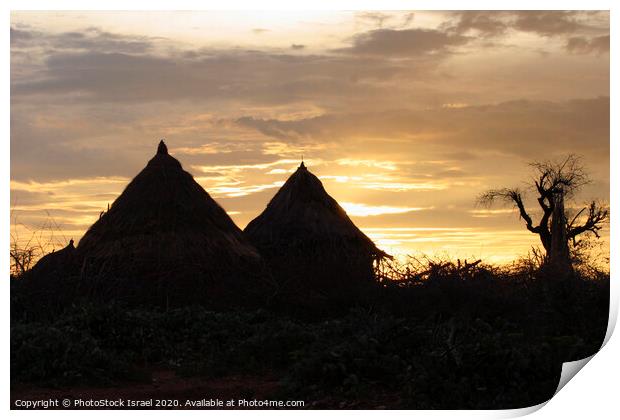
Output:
x=405 y=117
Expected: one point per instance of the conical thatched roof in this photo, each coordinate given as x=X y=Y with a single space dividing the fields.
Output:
x=163 y=212
x=316 y=253
x=164 y=227
x=301 y=213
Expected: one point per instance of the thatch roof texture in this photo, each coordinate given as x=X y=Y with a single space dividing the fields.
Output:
x=306 y=235
x=164 y=213
x=165 y=227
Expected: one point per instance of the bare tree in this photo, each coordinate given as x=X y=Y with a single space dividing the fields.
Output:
x=25 y=251
x=554 y=182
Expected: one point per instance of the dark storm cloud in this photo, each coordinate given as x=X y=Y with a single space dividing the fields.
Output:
x=405 y=42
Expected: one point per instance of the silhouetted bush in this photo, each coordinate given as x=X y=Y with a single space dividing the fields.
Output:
x=442 y=336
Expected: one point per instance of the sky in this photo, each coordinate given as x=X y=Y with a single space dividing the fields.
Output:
x=406 y=117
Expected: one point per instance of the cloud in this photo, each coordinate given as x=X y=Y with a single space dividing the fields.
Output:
x=542 y=22
x=483 y=213
x=20 y=197
x=282 y=130
x=582 y=45
x=379 y=19
x=380 y=68
x=369 y=163
x=523 y=128
x=259 y=77
x=240 y=191
x=545 y=23
x=20 y=36
x=90 y=39
x=239 y=167
x=484 y=22
x=364 y=210
x=405 y=42
x=376 y=18
x=52 y=144
x=548 y=22
x=384 y=182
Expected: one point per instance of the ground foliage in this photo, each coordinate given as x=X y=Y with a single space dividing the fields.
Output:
x=433 y=335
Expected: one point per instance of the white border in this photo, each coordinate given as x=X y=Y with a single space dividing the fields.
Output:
x=593 y=394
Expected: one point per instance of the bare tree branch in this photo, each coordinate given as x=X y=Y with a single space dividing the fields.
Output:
x=568 y=175
x=513 y=196
x=596 y=217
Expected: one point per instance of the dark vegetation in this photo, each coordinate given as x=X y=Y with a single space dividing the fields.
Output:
x=433 y=335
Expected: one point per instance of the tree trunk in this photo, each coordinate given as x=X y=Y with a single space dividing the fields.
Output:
x=558 y=254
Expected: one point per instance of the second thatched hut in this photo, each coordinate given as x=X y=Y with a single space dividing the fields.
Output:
x=311 y=244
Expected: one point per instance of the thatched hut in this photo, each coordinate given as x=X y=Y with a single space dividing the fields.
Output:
x=310 y=242
x=57 y=263
x=164 y=240
x=50 y=285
